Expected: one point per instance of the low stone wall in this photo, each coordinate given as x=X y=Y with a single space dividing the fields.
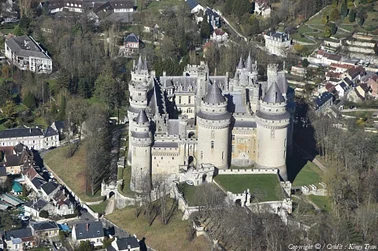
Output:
x=249 y=171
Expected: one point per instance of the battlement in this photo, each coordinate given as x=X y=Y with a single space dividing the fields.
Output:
x=249 y=171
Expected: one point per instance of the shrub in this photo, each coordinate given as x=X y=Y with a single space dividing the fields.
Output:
x=44 y=214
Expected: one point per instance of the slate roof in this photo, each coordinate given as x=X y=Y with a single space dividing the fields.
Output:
x=37 y=205
x=49 y=187
x=20 y=132
x=19 y=233
x=274 y=95
x=165 y=144
x=142 y=117
x=131 y=38
x=37 y=182
x=19 y=148
x=12 y=160
x=324 y=97
x=124 y=243
x=281 y=36
x=89 y=230
x=214 y=95
x=192 y=3
x=26 y=47
x=46 y=225
x=50 y=132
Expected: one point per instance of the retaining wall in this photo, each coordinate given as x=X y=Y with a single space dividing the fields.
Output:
x=249 y=171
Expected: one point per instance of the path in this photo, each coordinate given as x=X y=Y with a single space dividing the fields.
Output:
x=308 y=201
x=111 y=206
x=360 y=110
x=228 y=23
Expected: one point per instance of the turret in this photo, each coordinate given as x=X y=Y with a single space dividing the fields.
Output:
x=213 y=121
x=272 y=128
x=141 y=140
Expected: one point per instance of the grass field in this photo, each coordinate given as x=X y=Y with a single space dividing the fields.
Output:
x=189 y=193
x=126 y=174
x=70 y=170
x=322 y=202
x=100 y=208
x=310 y=174
x=159 y=236
x=266 y=185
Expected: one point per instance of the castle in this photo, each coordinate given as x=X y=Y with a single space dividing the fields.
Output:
x=180 y=123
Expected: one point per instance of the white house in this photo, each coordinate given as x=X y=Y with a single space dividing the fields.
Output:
x=127 y=244
x=90 y=231
x=219 y=36
x=262 y=8
x=277 y=43
x=25 y=53
x=342 y=89
x=194 y=6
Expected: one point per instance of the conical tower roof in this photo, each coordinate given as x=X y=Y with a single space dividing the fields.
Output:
x=240 y=65
x=214 y=95
x=145 y=66
x=140 y=63
x=142 y=117
x=249 y=62
x=274 y=95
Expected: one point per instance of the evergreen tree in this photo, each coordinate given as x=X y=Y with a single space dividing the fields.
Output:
x=62 y=108
x=344 y=9
x=29 y=100
x=205 y=28
x=352 y=15
x=305 y=63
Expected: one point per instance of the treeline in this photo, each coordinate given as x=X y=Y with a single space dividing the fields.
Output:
x=352 y=182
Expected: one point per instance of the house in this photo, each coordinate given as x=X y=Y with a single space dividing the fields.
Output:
x=131 y=44
x=298 y=71
x=277 y=43
x=62 y=202
x=30 y=174
x=262 y=8
x=25 y=53
x=342 y=89
x=213 y=18
x=362 y=91
x=127 y=244
x=36 y=185
x=3 y=174
x=194 y=6
x=16 y=188
x=219 y=36
x=90 y=231
x=60 y=127
x=49 y=189
x=322 y=102
x=4 y=206
x=33 y=138
x=16 y=159
x=19 y=239
x=34 y=207
x=372 y=82
x=45 y=229
x=355 y=73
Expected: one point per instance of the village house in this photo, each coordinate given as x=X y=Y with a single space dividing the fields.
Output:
x=323 y=102
x=16 y=159
x=3 y=174
x=25 y=53
x=355 y=73
x=48 y=190
x=262 y=8
x=131 y=45
x=34 y=138
x=277 y=43
x=372 y=82
x=45 y=229
x=19 y=239
x=194 y=6
x=342 y=89
x=126 y=244
x=90 y=231
x=219 y=36
x=11 y=200
x=34 y=207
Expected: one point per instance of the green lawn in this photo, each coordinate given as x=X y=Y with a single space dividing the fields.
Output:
x=100 y=208
x=172 y=236
x=297 y=36
x=189 y=193
x=266 y=186
x=322 y=202
x=71 y=170
x=126 y=174
x=310 y=174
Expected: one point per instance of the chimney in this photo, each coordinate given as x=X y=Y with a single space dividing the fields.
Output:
x=30 y=130
x=87 y=227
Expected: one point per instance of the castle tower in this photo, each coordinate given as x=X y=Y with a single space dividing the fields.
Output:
x=213 y=121
x=272 y=74
x=141 y=140
x=272 y=130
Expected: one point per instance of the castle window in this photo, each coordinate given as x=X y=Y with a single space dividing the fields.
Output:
x=212 y=134
x=189 y=99
x=284 y=154
x=161 y=157
x=233 y=136
x=272 y=134
x=173 y=158
x=232 y=148
x=179 y=99
x=223 y=155
x=285 y=143
x=201 y=154
x=155 y=157
x=212 y=144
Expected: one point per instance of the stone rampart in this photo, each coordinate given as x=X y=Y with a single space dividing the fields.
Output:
x=249 y=171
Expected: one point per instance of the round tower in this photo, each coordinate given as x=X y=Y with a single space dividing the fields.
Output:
x=141 y=141
x=213 y=121
x=272 y=127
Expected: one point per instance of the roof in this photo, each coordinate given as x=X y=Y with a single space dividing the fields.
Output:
x=49 y=187
x=3 y=171
x=89 y=230
x=281 y=36
x=142 y=117
x=214 y=95
x=160 y=144
x=26 y=47
x=274 y=95
x=13 y=160
x=19 y=233
x=37 y=205
x=124 y=243
x=348 y=81
x=192 y=4
x=240 y=64
x=11 y=200
x=323 y=98
x=131 y=38
x=46 y=225
x=19 y=148
x=354 y=72
x=20 y=132
x=17 y=187
x=50 y=132
x=38 y=182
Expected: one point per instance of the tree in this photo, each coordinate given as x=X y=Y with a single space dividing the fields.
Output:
x=327 y=31
x=205 y=28
x=325 y=17
x=29 y=100
x=44 y=214
x=344 y=9
x=76 y=113
x=8 y=221
x=305 y=63
x=376 y=48
x=85 y=246
x=352 y=15
x=335 y=15
x=62 y=108
x=9 y=111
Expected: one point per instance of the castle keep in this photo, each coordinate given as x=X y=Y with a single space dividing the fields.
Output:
x=180 y=123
